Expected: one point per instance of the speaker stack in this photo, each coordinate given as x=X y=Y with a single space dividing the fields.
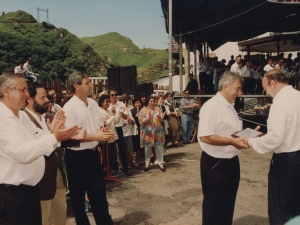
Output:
x=123 y=79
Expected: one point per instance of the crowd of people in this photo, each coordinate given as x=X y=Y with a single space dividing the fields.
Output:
x=251 y=68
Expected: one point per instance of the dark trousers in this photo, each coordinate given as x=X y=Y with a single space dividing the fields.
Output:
x=122 y=149
x=202 y=77
x=220 y=181
x=284 y=187
x=113 y=156
x=85 y=174
x=20 y=205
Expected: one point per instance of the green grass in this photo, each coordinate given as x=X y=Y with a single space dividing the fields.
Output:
x=150 y=63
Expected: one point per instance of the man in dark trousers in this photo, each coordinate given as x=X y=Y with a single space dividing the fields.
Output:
x=283 y=138
x=220 y=168
x=83 y=163
x=22 y=150
x=192 y=85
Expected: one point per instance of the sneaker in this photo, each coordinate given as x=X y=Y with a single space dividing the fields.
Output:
x=128 y=174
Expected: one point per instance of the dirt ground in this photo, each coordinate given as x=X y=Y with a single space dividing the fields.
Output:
x=175 y=197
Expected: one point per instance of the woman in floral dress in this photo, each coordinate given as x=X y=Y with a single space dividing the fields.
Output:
x=152 y=132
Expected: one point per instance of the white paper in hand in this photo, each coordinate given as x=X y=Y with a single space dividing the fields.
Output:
x=248 y=133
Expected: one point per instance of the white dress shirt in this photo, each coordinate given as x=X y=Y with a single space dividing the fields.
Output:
x=202 y=67
x=22 y=149
x=268 y=68
x=235 y=68
x=88 y=117
x=118 y=105
x=283 y=124
x=18 y=69
x=218 y=116
x=41 y=121
x=246 y=72
x=110 y=122
x=127 y=126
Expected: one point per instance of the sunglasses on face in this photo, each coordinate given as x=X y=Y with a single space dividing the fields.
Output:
x=113 y=95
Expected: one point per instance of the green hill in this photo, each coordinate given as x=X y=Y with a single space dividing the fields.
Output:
x=120 y=50
x=54 y=52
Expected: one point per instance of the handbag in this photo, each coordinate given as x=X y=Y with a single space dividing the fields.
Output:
x=134 y=129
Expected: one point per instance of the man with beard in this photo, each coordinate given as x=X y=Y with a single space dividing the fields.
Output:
x=22 y=150
x=52 y=187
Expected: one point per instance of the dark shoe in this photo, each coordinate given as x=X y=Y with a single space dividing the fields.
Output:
x=146 y=169
x=127 y=174
x=163 y=169
x=185 y=142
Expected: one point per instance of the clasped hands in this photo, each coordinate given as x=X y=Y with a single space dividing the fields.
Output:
x=59 y=130
x=243 y=142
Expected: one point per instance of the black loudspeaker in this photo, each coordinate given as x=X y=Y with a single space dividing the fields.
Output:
x=113 y=78
x=147 y=89
x=128 y=80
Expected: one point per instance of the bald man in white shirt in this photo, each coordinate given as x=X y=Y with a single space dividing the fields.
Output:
x=283 y=138
x=22 y=150
x=220 y=168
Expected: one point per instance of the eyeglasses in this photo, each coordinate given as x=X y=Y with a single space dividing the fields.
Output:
x=113 y=95
x=107 y=101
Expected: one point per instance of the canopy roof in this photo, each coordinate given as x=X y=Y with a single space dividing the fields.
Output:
x=273 y=43
x=219 y=21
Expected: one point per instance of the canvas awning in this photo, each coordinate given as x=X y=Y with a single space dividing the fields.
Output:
x=219 y=21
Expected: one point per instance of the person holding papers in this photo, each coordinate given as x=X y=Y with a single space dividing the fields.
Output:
x=283 y=138
x=220 y=168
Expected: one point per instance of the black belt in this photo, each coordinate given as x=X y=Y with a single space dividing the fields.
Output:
x=187 y=113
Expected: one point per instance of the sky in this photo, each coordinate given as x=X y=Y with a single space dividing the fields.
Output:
x=140 y=20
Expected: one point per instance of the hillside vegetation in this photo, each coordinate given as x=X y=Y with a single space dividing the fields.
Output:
x=120 y=50
x=54 y=52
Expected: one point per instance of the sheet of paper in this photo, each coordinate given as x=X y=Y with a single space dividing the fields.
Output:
x=248 y=133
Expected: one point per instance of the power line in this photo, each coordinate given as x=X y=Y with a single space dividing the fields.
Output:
x=190 y=32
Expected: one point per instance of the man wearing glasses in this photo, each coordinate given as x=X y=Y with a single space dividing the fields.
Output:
x=187 y=106
x=119 y=107
x=283 y=138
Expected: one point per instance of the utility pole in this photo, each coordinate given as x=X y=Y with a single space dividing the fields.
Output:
x=170 y=47
x=44 y=10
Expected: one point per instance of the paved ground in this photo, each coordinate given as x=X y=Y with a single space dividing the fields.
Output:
x=175 y=197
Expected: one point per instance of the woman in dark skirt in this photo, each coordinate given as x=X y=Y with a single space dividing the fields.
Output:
x=137 y=103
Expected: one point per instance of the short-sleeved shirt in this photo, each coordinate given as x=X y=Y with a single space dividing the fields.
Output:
x=87 y=116
x=186 y=102
x=218 y=116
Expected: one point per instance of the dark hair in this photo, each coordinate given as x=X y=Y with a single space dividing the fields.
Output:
x=142 y=94
x=138 y=98
x=148 y=99
x=112 y=89
x=161 y=96
x=277 y=76
x=168 y=94
x=102 y=98
x=186 y=90
x=32 y=89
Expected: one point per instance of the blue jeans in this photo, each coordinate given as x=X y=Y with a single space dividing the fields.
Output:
x=187 y=124
x=34 y=78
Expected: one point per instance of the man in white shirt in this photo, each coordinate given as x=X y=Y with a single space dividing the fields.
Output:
x=22 y=150
x=29 y=72
x=235 y=68
x=119 y=107
x=220 y=169
x=269 y=66
x=52 y=188
x=283 y=138
x=246 y=73
x=20 y=70
x=83 y=164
